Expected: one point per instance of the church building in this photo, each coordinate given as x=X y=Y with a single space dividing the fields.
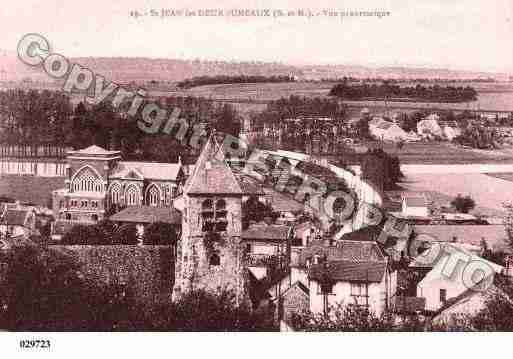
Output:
x=97 y=179
x=211 y=254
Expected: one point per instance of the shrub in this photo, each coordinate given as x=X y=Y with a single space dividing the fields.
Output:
x=160 y=233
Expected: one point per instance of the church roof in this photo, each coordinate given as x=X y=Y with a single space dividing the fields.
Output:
x=212 y=175
x=148 y=170
x=94 y=151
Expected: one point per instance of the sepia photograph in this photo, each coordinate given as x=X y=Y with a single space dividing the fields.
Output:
x=271 y=167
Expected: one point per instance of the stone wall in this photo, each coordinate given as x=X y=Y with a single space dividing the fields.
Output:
x=148 y=271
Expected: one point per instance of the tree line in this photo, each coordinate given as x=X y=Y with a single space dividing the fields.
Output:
x=389 y=91
x=48 y=117
x=240 y=79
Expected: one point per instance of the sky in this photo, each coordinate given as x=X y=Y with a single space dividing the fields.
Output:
x=455 y=34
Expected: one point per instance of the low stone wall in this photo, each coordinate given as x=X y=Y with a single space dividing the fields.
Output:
x=148 y=271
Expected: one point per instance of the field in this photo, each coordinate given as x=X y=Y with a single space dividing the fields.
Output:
x=443 y=153
x=490 y=96
x=32 y=189
x=489 y=192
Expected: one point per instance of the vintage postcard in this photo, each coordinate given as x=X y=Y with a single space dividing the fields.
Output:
x=256 y=166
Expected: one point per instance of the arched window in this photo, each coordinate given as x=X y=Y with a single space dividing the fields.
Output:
x=132 y=196
x=153 y=196
x=207 y=204
x=86 y=180
x=115 y=193
x=214 y=259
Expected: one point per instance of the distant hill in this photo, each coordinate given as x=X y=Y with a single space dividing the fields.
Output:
x=125 y=70
x=316 y=72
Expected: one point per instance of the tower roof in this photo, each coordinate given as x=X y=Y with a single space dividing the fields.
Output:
x=211 y=174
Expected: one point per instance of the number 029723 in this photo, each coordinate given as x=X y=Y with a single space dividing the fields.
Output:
x=35 y=344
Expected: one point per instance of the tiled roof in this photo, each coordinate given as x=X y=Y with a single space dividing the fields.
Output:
x=15 y=217
x=148 y=170
x=266 y=232
x=211 y=174
x=349 y=271
x=344 y=250
x=147 y=214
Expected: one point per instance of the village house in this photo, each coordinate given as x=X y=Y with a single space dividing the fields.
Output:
x=446 y=279
x=268 y=247
x=351 y=273
x=465 y=305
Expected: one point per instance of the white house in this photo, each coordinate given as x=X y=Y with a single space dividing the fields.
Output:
x=455 y=270
x=415 y=206
x=386 y=131
x=359 y=275
x=429 y=126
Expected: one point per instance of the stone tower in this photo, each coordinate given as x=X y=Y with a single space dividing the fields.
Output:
x=210 y=254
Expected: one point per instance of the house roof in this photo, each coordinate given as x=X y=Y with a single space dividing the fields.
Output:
x=273 y=232
x=282 y=203
x=147 y=170
x=15 y=217
x=349 y=271
x=211 y=174
x=494 y=235
x=304 y=289
x=362 y=251
x=147 y=214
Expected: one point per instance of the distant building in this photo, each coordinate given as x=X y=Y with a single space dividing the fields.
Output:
x=429 y=127
x=451 y=132
x=386 y=131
